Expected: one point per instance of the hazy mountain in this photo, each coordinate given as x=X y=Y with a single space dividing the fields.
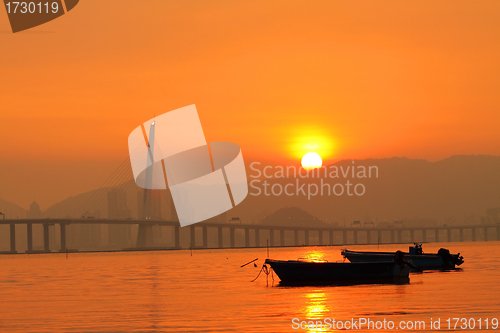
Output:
x=92 y=203
x=11 y=210
x=74 y=206
x=453 y=190
x=293 y=217
x=95 y=203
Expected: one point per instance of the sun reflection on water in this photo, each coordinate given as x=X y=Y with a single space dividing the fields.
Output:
x=314 y=256
x=316 y=305
x=316 y=310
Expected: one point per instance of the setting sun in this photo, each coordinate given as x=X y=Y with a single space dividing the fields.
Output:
x=311 y=161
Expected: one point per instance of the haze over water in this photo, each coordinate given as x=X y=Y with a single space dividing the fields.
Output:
x=172 y=291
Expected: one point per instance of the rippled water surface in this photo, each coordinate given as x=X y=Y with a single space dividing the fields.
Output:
x=174 y=291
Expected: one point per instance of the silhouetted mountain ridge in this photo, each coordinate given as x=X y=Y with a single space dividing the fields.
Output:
x=293 y=217
x=11 y=210
x=454 y=189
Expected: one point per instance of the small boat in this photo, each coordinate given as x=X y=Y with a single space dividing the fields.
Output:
x=443 y=259
x=293 y=272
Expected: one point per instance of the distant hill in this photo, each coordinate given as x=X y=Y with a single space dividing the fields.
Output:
x=74 y=206
x=455 y=190
x=94 y=203
x=293 y=217
x=11 y=210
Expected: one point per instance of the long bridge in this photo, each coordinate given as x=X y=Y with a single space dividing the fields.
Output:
x=334 y=236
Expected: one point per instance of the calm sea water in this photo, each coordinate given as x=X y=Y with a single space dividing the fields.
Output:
x=174 y=291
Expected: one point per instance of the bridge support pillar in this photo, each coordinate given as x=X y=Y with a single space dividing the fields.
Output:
x=355 y=234
x=424 y=235
x=473 y=234
x=379 y=236
x=320 y=234
x=145 y=236
x=449 y=234
x=247 y=237
x=330 y=236
x=192 y=233
x=307 y=237
x=393 y=236
x=296 y=236
x=271 y=236
x=436 y=235
x=177 y=237
x=282 y=237
x=485 y=234
x=400 y=238
x=63 y=237
x=368 y=237
x=257 y=237
x=219 y=237
x=13 y=238
x=461 y=234
x=205 y=237
x=30 y=237
x=46 y=237
x=231 y=237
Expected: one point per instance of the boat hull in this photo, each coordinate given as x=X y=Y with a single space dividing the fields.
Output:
x=425 y=261
x=304 y=272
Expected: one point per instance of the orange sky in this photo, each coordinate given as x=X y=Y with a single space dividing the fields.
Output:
x=347 y=79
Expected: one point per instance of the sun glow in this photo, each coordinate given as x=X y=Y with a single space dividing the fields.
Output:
x=306 y=139
x=311 y=161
